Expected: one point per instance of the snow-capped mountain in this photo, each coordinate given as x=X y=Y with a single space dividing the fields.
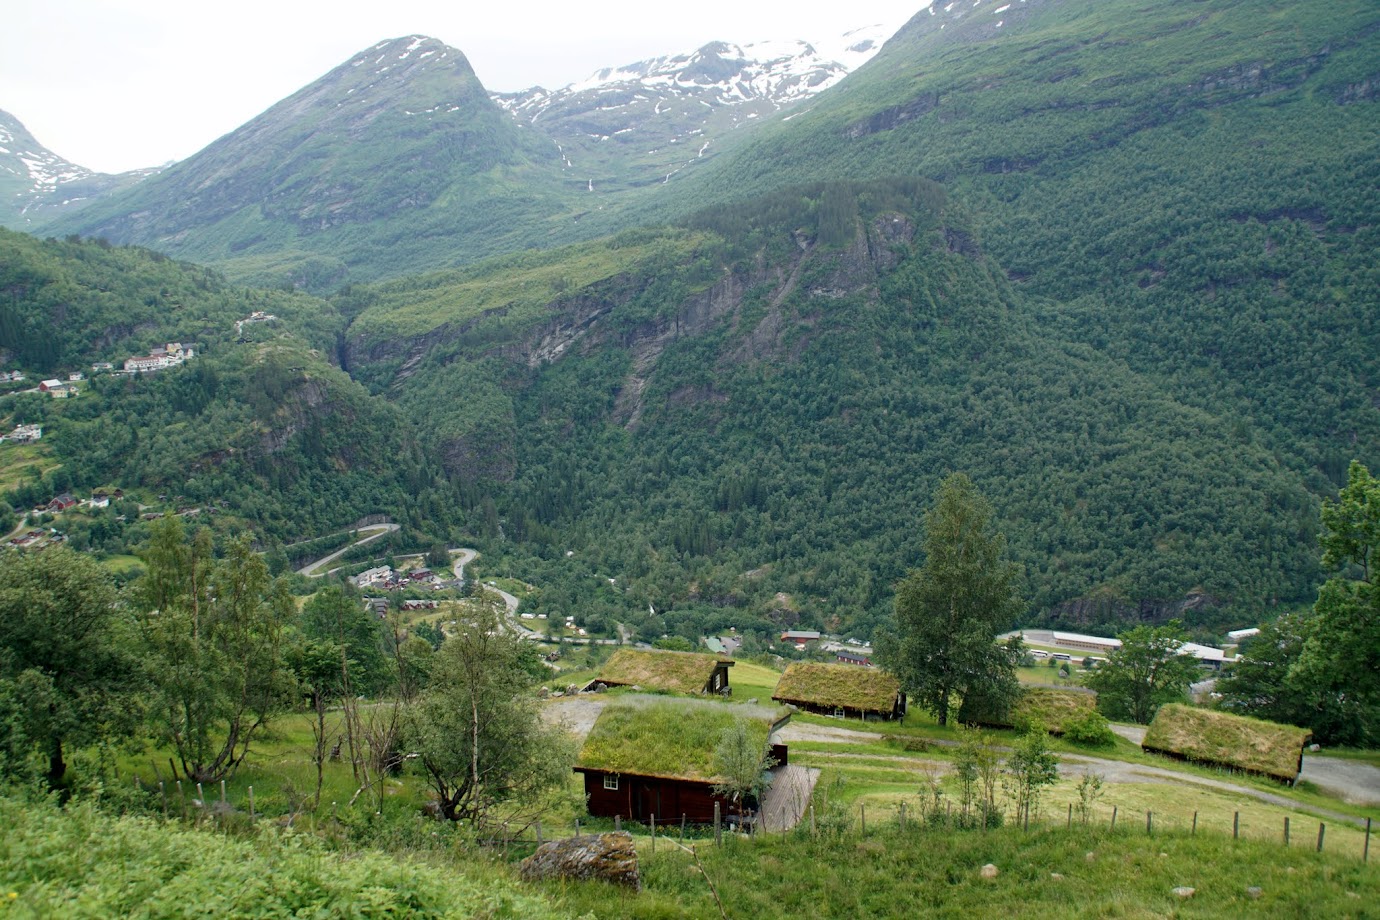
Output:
x=643 y=122
x=36 y=183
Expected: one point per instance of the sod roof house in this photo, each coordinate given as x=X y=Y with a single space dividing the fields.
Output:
x=1052 y=707
x=675 y=672
x=650 y=756
x=841 y=690
x=1223 y=739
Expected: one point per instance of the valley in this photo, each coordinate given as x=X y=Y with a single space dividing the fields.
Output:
x=464 y=436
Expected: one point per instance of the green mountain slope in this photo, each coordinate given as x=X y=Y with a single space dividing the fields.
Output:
x=259 y=424
x=393 y=162
x=744 y=423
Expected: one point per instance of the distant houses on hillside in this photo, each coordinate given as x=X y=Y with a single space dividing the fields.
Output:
x=162 y=356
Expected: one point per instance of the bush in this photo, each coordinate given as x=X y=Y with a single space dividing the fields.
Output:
x=1089 y=729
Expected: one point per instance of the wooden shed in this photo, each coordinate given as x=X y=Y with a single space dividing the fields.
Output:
x=656 y=756
x=675 y=672
x=841 y=690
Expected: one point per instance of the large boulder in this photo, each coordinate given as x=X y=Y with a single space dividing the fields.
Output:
x=610 y=857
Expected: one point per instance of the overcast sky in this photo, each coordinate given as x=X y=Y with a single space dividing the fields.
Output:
x=121 y=84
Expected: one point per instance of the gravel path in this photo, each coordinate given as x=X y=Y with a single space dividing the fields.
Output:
x=1352 y=781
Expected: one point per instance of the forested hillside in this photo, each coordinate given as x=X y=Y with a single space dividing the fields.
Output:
x=1114 y=261
x=259 y=425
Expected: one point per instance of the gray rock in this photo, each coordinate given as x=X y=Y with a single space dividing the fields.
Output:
x=1315 y=748
x=1253 y=893
x=610 y=857
x=989 y=871
x=1183 y=891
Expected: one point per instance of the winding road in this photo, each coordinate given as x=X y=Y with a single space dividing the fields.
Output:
x=311 y=569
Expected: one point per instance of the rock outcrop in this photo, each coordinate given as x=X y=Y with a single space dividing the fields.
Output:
x=609 y=857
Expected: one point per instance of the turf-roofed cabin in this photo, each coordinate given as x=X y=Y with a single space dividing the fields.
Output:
x=1050 y=707
x=673 y=672
x=1224 y=739
x=650 y=756
x=841 y=690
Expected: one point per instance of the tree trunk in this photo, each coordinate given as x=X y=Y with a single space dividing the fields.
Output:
x=57 y=766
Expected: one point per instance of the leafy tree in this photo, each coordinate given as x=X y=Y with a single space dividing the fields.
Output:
x=1268 y=684
x=1341 y=653
x=950 y=609
x=1031 y=767
x=1145 y=673
x=743 y=764
x=66 y=669
x=212 y=633
x=477 y=730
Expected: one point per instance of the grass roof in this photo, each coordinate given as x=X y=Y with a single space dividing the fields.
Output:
x=845 y=686
x=674 y=738
x=1224 y=739
x=678 y=672
x=1051 y=707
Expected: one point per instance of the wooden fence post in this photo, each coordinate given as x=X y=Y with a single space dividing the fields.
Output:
x=1194 y=832
x=251 y=803
x=862 y=818
x=200 y=796
x=1322 y=830
x=1286 y=830
x=718 y=833
x=1113 y=817
x=222 y=792
x=682 y=827
x=1070 y=824
x=653 y=817
x=162 y=794
x=1148 y=823
x=1235 y=824
x=812 y=821
x=539 y=840
x=182 y=799
x=617 y=822
x=577 y=827
x=1365 y=853
x=903 y=814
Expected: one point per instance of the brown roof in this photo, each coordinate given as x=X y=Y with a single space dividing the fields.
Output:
x=678 y=672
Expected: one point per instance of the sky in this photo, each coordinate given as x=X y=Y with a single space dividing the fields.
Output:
x=114 y=85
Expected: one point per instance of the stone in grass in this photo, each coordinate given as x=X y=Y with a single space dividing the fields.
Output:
x=1056 y=876
x=1253 y=893
x=1091 y=857
x=610 y=857
x=1183 y=891
x=989 y=871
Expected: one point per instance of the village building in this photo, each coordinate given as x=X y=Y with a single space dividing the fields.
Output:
x=376 y=576
x=26 y=434
x=675 y=672
x=62 y=502
x=844 y=656
x=650 y=756
x=844 y=691
x=11 y=376
x=169 y=355
x=800 y=637
x=102 y=367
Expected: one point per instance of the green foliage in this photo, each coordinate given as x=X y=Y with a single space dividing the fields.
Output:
x=1030 y=768
x=212 y=647
x=742 y=763
x=949 y=609
x=477 y=729
x=1089 y=729
x=68 y=673
x=82 y=862
x=1144 y=674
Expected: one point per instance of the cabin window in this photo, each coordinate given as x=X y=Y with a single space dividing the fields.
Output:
x=611 y=781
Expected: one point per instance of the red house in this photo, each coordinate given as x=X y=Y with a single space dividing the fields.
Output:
x=650 y=756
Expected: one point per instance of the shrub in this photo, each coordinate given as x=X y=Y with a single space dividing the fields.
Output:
x=1089 y=729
